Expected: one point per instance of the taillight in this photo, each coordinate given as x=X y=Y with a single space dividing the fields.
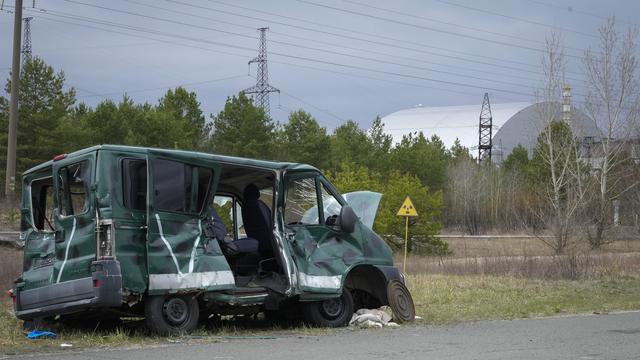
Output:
x=96 y=283
x=12 y=296
x=105 y=239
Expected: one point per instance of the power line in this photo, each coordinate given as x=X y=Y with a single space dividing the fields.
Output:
x=166 y=87
x=515 y=18
x=276 y=53
x=377 y=36
x=351 y=48
x=349 y=74
x=473 y=59
x=244 y=56
x=303 y=46
x=315 y=107
x=293 y=96
x=453 y=33
x=573 y=9
x=402 y=75
x=457 y=25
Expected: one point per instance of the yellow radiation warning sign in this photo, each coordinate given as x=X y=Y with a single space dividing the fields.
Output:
x=407 y=208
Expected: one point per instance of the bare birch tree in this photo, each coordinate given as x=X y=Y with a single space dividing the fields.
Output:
x=561 y=176
x=612 y=100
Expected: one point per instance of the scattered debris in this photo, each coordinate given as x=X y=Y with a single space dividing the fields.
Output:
x=367 y=318
x=64 y=345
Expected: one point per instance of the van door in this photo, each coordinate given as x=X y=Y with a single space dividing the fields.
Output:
x=37 y=229
x=74 y=217
x=179 y=257
x=322 y=252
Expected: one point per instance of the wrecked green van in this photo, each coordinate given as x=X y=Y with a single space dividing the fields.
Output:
x=113 y=231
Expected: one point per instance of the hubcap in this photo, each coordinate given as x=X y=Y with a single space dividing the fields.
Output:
x=175 y=311
x=332 y=307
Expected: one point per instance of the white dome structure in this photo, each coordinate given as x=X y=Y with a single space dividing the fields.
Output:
x=525 y=126
x=448 y=122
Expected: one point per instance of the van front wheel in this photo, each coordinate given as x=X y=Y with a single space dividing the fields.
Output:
x=334 y=312
x=171 y=314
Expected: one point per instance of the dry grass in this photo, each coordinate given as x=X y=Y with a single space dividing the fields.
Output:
x=9 y=216
x=467 y=247
x=450 y=298
x=568 y=267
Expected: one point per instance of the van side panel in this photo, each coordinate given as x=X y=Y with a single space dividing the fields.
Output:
x=130 y=224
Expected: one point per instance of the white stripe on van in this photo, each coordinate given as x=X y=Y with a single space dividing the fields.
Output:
x=197 y=280
x=195 y=246
x=166 y=243
x=66 y=252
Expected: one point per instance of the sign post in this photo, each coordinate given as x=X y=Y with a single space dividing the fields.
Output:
x=407 y=210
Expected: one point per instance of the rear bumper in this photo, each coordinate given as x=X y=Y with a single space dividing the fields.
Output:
x=102 y=289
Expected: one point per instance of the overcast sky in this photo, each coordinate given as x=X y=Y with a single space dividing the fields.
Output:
x=338 y=59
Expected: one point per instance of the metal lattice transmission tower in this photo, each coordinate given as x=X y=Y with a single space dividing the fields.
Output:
x=262 y=87
x=26 y=41
x=485 y=130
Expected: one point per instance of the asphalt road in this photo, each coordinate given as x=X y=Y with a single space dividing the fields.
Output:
x=613 y=336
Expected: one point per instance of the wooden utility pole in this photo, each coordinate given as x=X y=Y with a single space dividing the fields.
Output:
x=10 y=180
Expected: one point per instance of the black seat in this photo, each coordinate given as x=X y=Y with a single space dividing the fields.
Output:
x=256 y=217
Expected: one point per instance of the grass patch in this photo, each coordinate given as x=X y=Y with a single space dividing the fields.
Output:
x=448 y=298
x=13 y=340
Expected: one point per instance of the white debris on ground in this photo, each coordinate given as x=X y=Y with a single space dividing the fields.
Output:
x=371 y=318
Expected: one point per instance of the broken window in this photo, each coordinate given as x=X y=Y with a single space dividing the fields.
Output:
x=301 y=199
x=330 y=204
x=224 y=207
x=73 y=189
x=42 y=203
x=180 y=187
x=134 y=183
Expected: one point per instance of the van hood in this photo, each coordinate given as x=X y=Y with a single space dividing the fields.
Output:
x=364 y=203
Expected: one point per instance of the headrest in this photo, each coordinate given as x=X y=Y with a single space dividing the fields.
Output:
x=251 y=192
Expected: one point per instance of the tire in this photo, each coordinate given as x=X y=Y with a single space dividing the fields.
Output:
x=171 y=314
x=334 y=312
x=400 y=302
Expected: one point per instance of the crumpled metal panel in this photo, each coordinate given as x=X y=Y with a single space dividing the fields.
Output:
x=178 y=251
x=323 y=256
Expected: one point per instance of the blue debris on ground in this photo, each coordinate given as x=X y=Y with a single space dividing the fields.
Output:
x=40 y=334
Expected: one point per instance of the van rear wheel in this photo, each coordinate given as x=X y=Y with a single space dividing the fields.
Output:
x=334 y=312
x=171 y=314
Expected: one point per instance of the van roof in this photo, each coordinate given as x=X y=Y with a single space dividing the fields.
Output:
x=265 y=164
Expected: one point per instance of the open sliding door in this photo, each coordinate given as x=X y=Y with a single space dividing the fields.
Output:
x=179 y=256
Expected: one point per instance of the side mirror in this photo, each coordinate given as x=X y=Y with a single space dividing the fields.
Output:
x=348 y=219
